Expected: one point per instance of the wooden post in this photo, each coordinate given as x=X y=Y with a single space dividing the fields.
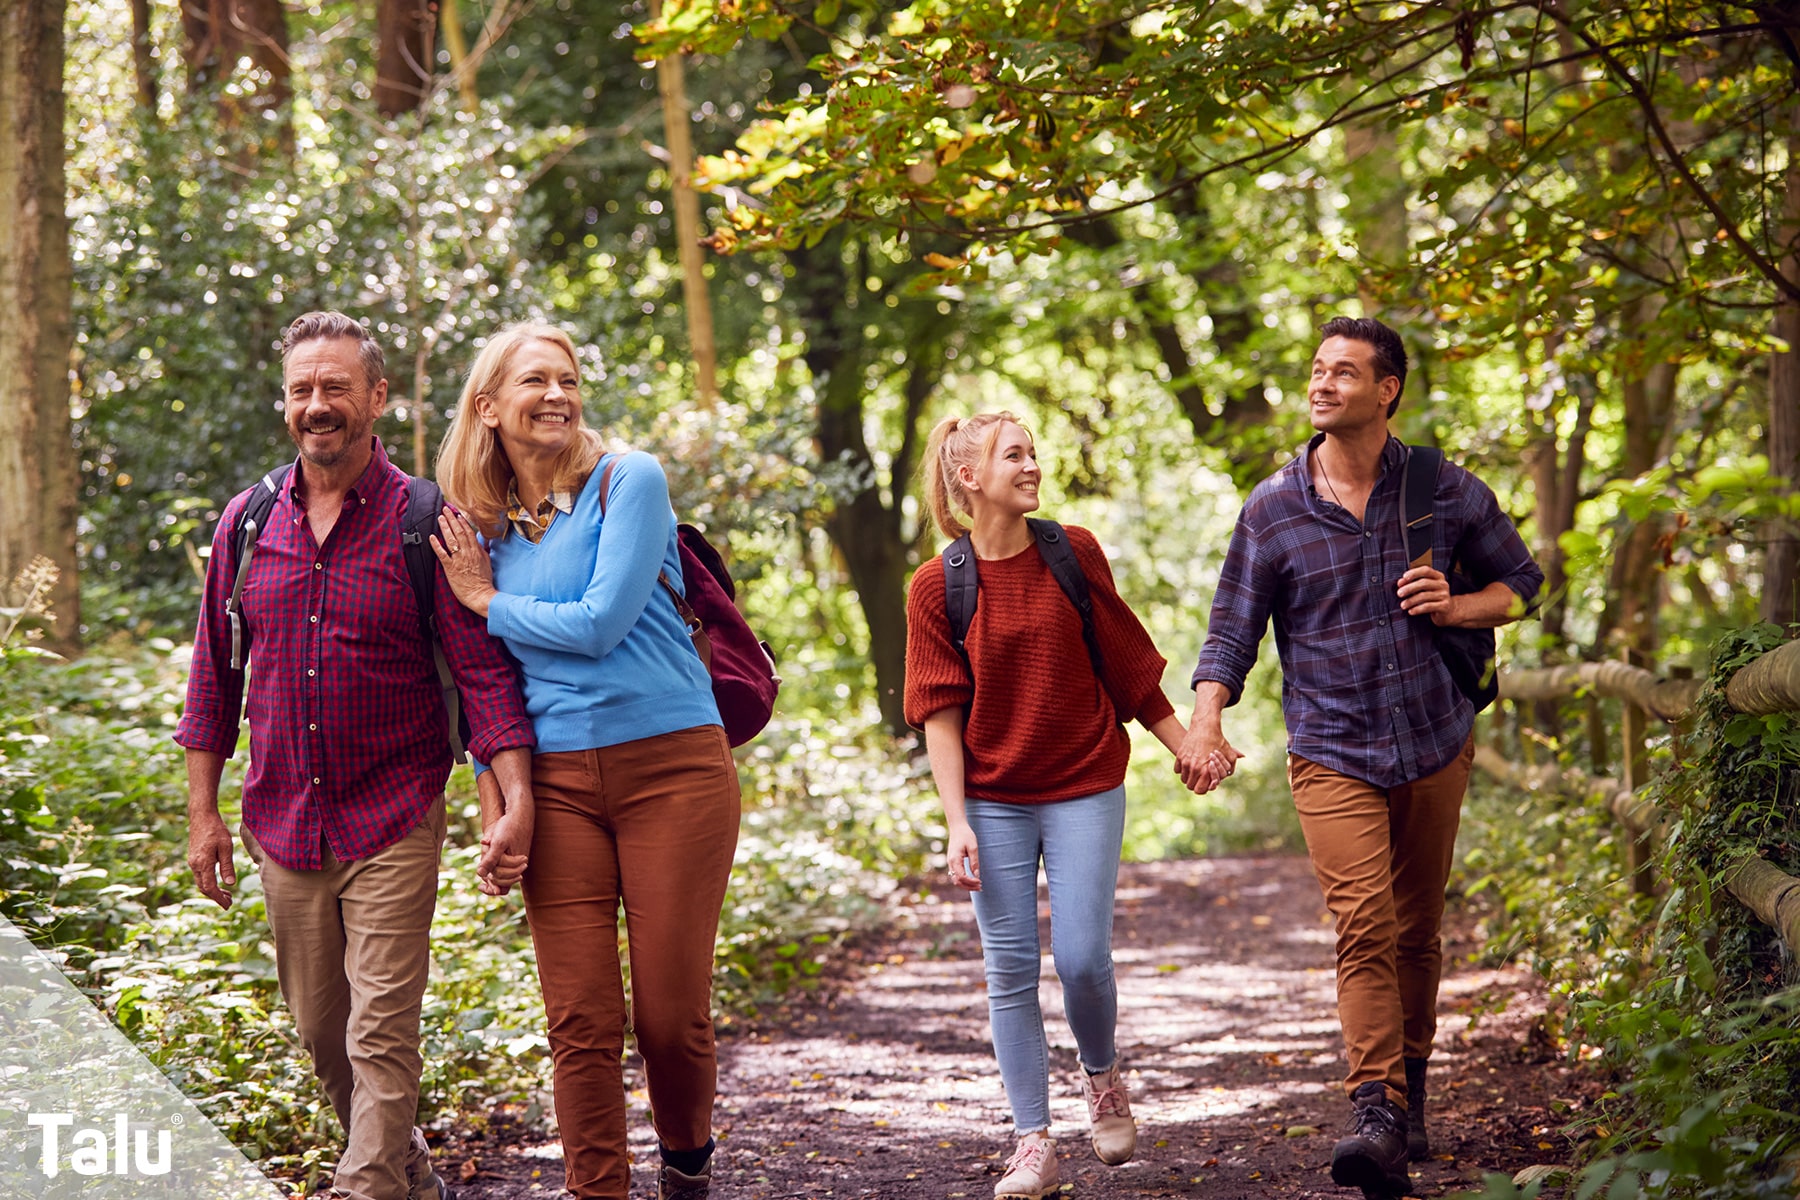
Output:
x=1682 y=725
x=1497 y=727
x=1635 y=773
x=1598 y=759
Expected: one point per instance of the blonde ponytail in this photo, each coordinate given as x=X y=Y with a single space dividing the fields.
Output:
x=958 y=442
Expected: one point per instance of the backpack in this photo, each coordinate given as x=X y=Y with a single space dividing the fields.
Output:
x=1468 y=654
x=423 y=504
x=962 y=582
x=744 y=675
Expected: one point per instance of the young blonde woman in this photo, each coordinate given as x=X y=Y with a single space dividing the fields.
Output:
x=1024 y=727
x=635 y=795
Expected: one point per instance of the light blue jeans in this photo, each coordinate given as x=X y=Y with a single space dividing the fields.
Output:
x=1078 y=842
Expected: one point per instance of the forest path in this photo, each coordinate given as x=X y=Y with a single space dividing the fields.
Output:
x=885 y=1084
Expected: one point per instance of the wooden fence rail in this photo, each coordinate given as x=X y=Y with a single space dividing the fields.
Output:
x=1770 y=684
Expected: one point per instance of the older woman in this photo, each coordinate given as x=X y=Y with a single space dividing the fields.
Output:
x=635 y=792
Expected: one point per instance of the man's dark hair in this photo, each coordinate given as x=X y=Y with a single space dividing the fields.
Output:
x=1390 y=351
x=312 y=326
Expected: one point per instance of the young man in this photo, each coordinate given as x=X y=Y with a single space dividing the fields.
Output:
x=343 y=807
x=1379 y=741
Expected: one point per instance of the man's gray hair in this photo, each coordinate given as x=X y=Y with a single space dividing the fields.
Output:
x=312 y=326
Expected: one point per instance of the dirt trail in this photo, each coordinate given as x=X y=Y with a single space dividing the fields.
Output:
x=886 y=1086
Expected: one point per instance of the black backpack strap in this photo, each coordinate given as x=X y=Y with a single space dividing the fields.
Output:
x=424 y=502
x=1059 y=556
x=1417 y=490
x=251 y=520
x=961 y=582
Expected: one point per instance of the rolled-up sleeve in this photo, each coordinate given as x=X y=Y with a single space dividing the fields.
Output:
x=215 y=692
x=1490 y=549
x=1240 y=613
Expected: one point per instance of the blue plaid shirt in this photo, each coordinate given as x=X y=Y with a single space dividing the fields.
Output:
x=1363 y=689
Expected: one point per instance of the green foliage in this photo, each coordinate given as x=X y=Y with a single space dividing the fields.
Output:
x=92 y=864
x=1687 y=996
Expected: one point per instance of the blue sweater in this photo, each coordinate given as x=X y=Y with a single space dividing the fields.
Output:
x=606 y=658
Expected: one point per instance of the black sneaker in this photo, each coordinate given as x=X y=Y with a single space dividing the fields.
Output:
x=1418 y=1143
x=1373 y=1156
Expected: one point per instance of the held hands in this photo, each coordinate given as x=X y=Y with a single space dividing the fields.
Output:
x=465 y=562
x=1205 y=758
x=964 y=856
x=209 y=858
x=505 y=850
x=1424 y=591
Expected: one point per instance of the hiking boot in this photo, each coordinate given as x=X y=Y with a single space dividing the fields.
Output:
x=1373 y=1156
x=1418 y=1144
x=1031 y=1172
x=432 y=1187
x=1109 y=1115
x=673 y=1185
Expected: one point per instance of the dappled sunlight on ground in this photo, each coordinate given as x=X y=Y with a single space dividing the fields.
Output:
x=885 y=1086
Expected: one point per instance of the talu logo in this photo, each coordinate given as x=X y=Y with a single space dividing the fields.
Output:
x=90 y=1153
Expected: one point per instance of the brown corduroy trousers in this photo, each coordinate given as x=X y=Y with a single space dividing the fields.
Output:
x=650 y=824
x=1382 y=857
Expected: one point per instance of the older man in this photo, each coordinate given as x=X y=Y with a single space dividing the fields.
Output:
x=1379 y=742
x=343 y=808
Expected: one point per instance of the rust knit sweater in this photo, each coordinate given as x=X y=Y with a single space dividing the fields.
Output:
x=1040 y=725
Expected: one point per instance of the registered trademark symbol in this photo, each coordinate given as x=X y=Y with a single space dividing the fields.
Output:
x=178 y=1119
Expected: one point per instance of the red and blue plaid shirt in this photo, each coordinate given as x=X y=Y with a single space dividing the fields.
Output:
x=348 y=736
x=1363 y=688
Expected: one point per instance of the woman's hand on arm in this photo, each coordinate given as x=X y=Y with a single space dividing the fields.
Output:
x=944 y=747
x=465 y=560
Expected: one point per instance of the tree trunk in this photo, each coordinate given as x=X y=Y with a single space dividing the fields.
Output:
x=1781 y=557
x=219 y=33
x=450 y=15
x=404 y=55
x=37 y=456
x=865 y=528
x=677 y=125
x=143 y=62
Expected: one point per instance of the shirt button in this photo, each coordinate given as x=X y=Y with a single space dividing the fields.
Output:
x=315 y=779
x=310 y=672
x=1381 y=620
x=314 y=620
x=315 y=728
x=1368 y=533
x=1390 y=667
x=318 y=566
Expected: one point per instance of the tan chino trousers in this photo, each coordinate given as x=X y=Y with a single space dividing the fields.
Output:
x=352 y=948
x=1382 y=857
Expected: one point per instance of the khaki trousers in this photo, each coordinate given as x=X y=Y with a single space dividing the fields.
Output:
x=352 y=947
x=1382 y=856
x=650 y=824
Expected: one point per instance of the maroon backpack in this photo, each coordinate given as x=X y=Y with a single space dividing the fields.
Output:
x=741 y=665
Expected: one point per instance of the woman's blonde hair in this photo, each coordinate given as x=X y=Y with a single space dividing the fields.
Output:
x=472 y=467
x=958 y=442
